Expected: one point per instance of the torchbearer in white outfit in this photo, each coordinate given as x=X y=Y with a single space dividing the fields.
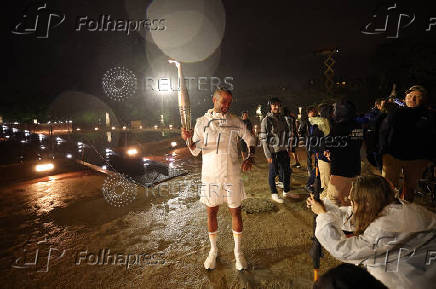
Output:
x=216 y=136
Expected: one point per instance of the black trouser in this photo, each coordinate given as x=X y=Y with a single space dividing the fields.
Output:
x=280 y=166
x=310 y=168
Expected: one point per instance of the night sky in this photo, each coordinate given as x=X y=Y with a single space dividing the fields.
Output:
x=265 y=47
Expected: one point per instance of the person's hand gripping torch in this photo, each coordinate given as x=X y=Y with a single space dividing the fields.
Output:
x=184 y=105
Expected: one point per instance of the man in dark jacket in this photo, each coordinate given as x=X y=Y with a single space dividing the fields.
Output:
x=308 y=132
x=343 y=150
x=406 y=140
x=276 y=138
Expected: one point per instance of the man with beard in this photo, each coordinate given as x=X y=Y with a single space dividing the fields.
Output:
x=216 y=136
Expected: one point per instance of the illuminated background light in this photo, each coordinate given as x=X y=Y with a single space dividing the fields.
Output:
x=132 y=152
x=44 y=167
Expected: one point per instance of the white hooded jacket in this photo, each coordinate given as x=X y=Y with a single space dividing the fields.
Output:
x=216 y=137
x=398 y=248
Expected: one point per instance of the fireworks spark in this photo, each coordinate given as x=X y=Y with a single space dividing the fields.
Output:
x=119 y=83
x=118 y=190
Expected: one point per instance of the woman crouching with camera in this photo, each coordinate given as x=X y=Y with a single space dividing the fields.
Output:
x=395 y=240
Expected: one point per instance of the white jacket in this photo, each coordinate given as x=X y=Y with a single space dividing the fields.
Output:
x=398 y=248
x=216 y=137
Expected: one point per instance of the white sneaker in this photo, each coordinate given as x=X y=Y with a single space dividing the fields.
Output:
x=210 y=262
x=240 y=262
x=275 y=198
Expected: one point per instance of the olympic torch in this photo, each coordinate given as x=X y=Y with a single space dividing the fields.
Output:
x=183 y=98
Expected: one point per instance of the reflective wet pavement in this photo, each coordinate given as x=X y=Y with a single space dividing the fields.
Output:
x=162 y=235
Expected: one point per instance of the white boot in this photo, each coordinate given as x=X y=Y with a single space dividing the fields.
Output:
x=210 y=262
x=275 y=198
x=240 y=262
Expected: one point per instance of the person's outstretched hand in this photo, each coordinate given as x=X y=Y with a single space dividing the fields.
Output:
x=316 y=206
x=175 y=62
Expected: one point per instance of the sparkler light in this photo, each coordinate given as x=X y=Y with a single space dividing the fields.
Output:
x=119 y=83
x=118 y=190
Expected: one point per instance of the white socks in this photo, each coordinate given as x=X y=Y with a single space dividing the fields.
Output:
x=212 y=239
x=211 y=259
x=241 y=263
